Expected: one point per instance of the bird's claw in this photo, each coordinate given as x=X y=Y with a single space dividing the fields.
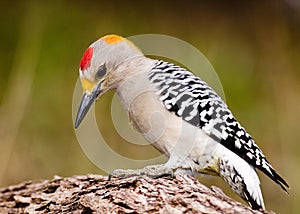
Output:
x=154 y=171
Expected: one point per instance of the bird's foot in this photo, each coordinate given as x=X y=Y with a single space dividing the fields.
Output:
x=153 y=171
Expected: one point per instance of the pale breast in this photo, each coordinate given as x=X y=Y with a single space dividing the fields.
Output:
x=168 y=132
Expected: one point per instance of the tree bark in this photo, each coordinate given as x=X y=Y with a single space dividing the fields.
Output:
x=97 y=194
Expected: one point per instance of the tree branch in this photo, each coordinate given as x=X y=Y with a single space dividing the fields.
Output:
x=96 y=194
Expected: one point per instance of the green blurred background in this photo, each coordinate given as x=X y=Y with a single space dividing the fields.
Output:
x=253 y=46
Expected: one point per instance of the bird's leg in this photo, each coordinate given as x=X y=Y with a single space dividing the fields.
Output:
x=153 y=171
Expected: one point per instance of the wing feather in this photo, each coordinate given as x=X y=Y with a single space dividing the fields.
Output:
x=192 y=99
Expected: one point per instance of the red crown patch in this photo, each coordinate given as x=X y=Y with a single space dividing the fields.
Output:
x=86 y=59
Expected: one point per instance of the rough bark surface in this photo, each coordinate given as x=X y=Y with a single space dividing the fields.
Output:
x=97 y=194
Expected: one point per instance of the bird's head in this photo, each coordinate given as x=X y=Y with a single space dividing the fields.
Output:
x=100 y=69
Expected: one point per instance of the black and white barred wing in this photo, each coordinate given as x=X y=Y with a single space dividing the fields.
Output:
x=190 y=98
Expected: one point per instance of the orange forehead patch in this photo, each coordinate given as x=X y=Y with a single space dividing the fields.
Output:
x=112 y=39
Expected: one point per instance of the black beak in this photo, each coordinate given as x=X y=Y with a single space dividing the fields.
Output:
x=86 y=103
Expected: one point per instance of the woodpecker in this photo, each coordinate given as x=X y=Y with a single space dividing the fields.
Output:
x=178 y=113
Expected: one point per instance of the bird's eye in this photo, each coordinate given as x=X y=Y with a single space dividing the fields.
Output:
x=101 y=71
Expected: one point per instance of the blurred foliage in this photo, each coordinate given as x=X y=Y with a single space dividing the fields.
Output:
x=253 y=45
